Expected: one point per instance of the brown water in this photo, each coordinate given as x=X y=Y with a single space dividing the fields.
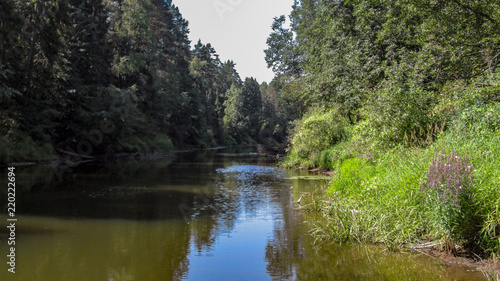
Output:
x=206 y=215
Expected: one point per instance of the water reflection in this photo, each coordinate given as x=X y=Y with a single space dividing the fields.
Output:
x=100 y=250
x=207 y=215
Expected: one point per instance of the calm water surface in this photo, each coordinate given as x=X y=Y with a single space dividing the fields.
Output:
x=206 y=215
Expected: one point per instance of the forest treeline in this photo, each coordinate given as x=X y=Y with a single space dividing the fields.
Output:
x=384 y=68
x=400 y=98
x=101 y=77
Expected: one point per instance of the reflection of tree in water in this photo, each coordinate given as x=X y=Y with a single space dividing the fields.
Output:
x=248 y=189
x=237 y=190
x=81 y=250
x=214 y=213
x=286 y=248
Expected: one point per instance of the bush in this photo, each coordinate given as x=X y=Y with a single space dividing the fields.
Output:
x=162 y=143
x=133 y=144
x=393 y=112
x=459 y=96
x=319 y=130
x=480 y=119
x=18 y=146
x=332 y=158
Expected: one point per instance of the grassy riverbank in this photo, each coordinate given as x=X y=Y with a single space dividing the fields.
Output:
x=442 y=186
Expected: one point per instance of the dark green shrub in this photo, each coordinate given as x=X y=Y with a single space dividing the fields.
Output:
x=480 y=119
x=162 y=143
x=18 y=146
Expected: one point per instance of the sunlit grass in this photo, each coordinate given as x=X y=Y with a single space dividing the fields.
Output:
x=378 y=200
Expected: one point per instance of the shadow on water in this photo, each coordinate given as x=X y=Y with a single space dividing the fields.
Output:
x=139 y=189
x=205 y=215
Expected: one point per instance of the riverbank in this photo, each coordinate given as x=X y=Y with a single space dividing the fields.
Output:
x=76 y=159
x=489 y=267
x=445 y=191
x=441 y=250
x=364 y=204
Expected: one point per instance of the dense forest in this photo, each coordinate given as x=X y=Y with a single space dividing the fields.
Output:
x=401 y=100
x=99 y=77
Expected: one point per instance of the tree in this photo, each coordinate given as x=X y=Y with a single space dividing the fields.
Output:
x=242 y=120
x=86 y=68
x=283 y=54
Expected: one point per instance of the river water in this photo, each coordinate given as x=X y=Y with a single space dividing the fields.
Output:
x=218 y=214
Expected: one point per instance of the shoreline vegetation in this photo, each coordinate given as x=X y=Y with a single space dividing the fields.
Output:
x=444 y=190
x=401 y=103
x=77 y=159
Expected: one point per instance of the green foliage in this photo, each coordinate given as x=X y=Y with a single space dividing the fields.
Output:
x=242 y=114
x=319 y=130
x=162 y=143
x=6 y=92
x=234 y=121
x=484 y=152
x=458 y=96
x=282 y=54
x=67 y=66
x=212 y=79
x=377 y=202
x=378 y=198
x=481 y=120
x=393 y=112
x=133 y=144
x=386 y=65
x=405 y=79
x=275 y=118
x=17 y=146
x=448 y=192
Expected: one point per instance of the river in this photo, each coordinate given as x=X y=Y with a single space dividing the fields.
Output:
x=219 y=214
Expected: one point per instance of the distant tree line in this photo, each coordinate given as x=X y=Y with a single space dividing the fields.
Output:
x=68 y=66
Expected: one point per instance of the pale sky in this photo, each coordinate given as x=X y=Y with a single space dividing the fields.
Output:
x=237 y=29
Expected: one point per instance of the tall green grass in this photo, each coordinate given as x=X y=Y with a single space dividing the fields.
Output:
x=376 y=195
x=378 y=200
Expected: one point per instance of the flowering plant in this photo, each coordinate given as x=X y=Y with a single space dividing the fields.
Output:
x=448 y=191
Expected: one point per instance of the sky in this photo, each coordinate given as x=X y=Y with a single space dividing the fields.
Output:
x=236 y=29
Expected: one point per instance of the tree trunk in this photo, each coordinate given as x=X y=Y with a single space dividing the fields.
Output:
x=28 y=68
